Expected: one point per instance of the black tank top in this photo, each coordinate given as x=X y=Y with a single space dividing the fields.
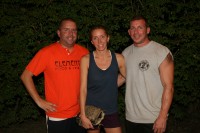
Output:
x=102 y=89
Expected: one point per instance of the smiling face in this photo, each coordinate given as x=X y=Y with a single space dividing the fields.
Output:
x=67 y=33
x=139 y=32
x=99 y=38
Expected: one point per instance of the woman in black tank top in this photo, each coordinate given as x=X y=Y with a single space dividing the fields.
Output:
x=99 y=87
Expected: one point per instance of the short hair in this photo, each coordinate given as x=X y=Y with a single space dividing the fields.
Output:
x=66 y=19
x=97 y=27
x=140 y=17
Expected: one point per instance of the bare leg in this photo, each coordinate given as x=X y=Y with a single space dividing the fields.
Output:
x=93 y=131
x=113 y=130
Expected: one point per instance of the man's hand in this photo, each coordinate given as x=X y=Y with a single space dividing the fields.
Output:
x=46 y=106
x=160 y=125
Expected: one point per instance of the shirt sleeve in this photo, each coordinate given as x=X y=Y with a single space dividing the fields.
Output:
x=39 y=62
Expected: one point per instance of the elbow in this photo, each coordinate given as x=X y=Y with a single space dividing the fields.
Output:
x=22 y=77
x=83 y=91
x=26 y=75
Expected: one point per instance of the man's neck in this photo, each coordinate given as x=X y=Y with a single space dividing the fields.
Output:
x=146 y=42
x=68 y=47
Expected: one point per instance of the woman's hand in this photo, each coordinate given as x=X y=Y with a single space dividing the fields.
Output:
x=86 y=123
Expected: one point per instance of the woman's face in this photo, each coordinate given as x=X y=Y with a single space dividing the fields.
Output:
x=99 y=39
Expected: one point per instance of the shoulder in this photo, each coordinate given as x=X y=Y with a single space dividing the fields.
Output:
x=159 y=45
x=52 y=46
x=80 y=47
x=85 y=61
x=127 y=49
x=46 y=50
x=119 y=57
x=85 y=58
x=159 y=48
x=162 y=52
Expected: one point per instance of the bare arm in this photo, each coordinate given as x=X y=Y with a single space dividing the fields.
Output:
x=83 y=91
x=27 y=79
x=121 y=80
x=122 y=69
x=167 y=77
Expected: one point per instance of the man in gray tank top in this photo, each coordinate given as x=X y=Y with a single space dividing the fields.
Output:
x=149 y=81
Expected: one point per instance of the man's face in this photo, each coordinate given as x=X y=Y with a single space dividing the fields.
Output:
x=67 y=33
x=138 y=31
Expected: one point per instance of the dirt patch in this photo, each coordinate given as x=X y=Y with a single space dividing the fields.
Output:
x=30 y=126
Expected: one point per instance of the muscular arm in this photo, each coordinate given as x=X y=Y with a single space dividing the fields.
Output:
x=27 y=79
x=122 y=69
x=167 y=77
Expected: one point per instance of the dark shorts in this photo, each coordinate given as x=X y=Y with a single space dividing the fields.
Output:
x=64 y=126
x=132 y=127
x=110 y=121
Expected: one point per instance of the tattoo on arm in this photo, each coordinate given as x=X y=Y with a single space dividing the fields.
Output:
x=169 y=58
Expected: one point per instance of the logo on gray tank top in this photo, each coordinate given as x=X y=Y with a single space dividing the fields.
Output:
x=144 y=65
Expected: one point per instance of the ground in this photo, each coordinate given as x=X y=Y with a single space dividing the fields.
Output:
x=186 y=126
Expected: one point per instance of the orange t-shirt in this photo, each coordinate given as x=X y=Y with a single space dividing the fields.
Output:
x=62 y=77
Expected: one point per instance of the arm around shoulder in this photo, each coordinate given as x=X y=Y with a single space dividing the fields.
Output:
x=122 y=69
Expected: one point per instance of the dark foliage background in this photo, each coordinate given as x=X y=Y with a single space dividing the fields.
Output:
x=28 y=25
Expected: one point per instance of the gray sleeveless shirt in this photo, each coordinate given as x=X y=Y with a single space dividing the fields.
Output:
x=143 y=85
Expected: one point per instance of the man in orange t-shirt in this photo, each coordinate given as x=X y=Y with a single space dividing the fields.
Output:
x=60 y=63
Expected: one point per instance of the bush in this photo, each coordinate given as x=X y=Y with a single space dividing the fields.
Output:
x=27 y=26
